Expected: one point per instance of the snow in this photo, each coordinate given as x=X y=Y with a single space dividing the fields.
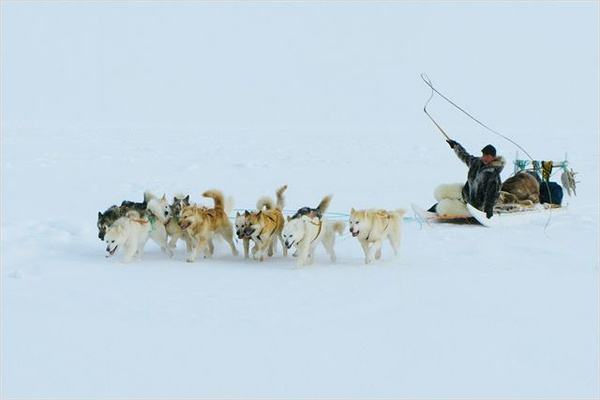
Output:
x=103 y=101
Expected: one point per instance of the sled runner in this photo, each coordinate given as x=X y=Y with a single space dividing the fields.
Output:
x=503 y=216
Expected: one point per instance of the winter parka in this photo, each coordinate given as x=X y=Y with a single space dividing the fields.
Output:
x=483 y=181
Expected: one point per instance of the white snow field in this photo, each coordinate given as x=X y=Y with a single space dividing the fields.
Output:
x=103 y=100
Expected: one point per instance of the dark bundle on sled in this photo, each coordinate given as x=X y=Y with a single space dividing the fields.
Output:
x=551 y=193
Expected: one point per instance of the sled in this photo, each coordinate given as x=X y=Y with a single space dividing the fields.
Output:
x=503 y=216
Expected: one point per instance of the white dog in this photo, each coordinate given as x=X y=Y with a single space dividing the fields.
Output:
x=129 y=234
x=158 y=213
x=306 y=232
x=372 y=227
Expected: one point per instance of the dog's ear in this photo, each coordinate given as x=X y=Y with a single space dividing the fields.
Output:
x=237 y=214
x=187 y=199
x=246 y=213
x=164 y=198
x=258 y=213
x=352 y=211
x=99 y=214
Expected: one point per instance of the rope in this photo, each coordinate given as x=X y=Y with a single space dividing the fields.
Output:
x=433 y=89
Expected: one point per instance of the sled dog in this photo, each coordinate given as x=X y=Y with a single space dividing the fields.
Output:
x=158 y=213
x=174 y=231
x=128 y=233
x=113 y=213
x=373 y=226
x=265 y=226
x=306 y=232
x=203 y=223
x=314 y=212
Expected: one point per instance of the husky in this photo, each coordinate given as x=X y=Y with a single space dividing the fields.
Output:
x=265 y=226
x=114 y=212
x=129 y=233
x=203 y=223
x=158 y=213
x=174 y=231
x=371 y=227
x=306 y=232
x=241 y=224
x=314 y=212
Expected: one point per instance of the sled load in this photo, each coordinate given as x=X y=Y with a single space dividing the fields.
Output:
x=528 y=192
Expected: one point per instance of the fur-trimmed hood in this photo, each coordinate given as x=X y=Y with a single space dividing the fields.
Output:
x=498 y=162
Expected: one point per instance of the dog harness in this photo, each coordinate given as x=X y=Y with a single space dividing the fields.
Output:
x=384 y=229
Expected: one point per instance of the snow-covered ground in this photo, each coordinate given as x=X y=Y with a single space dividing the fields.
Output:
x=102 y=101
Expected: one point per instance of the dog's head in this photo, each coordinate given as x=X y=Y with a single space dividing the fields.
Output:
x=105 y=219
x=358 y=221
x=294 y=230
x=254 y=223
x=160 y=208
x=114 y=237
x=241 y=224
x=190 y=215
x=178 y=204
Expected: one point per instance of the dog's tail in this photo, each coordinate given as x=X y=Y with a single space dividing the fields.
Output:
x=265 y=203
x=399 y=213
x=217 y=196
x=339 y=227
x=228 y=205
x=148 y=195
x=324 y=204
x=280 y=198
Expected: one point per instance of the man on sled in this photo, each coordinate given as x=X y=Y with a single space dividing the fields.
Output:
x=482 y=188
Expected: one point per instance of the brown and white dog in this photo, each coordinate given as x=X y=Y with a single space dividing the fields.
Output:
x=202 y=223
x=372 y=227
x=174 y=231
x=264 y=226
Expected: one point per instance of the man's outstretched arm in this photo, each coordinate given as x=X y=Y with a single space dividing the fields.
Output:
x=460 y=151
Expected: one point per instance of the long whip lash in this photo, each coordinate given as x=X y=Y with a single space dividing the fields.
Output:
x=433 y=89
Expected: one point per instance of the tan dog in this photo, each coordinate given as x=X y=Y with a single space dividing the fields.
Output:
x=264 y=227
x=203 y=223
x=371 y=227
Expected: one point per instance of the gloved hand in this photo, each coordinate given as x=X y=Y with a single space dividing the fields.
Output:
x=451 y=143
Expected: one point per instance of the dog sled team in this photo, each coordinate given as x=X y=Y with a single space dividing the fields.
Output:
x=129 y=226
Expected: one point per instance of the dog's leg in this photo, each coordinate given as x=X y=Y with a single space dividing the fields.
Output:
x=210 y=250
x=129 y=253
x=283 y=246
x=394 y=238
x=303 y=253
x=328 y=243
x=159 y=235
x=374 y=249
x=195 y=245
x=188 y=244
x=365 y=246
x=246 y=243
x=227 y=234
x=271 y=247
x=173 y=241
